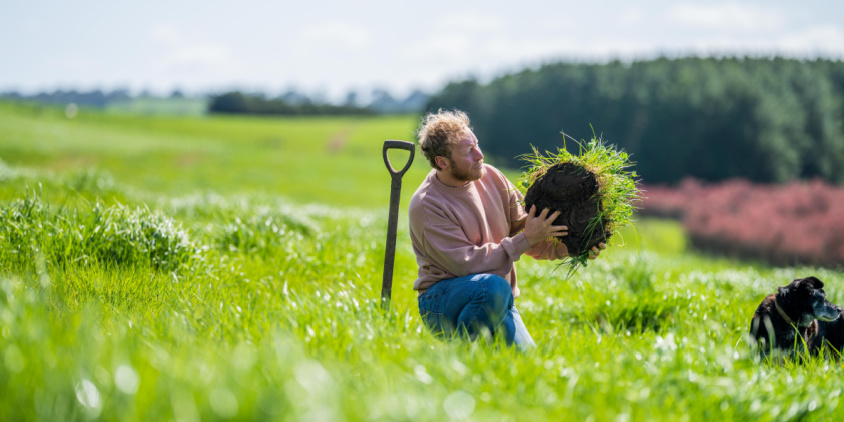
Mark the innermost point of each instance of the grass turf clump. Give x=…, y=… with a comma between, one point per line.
x=262, y=232
x=114, y=235
x=594, y=192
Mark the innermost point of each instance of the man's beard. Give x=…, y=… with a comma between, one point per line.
x=464, y=175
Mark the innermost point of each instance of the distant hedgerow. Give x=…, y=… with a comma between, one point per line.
x=779, y=224
x=117, y=235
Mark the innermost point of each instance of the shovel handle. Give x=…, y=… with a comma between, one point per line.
x=392, y=144
x=392, y=223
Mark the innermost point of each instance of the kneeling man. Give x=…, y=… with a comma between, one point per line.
x=468, y=229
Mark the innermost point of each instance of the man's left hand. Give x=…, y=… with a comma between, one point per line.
x=595, y=251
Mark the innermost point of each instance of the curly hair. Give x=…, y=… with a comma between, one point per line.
x=439, y=131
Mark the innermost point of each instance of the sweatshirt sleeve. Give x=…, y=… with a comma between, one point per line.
x=446, y=244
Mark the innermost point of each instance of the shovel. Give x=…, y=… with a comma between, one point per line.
x=392, y=224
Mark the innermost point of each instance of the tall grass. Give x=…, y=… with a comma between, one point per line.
x=293, y=330
x=115, y=235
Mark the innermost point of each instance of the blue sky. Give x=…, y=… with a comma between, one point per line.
x=330, y=47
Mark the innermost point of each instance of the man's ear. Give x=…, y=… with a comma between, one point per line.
x=442, y=163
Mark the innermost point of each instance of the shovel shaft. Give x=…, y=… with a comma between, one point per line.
x=390, y=252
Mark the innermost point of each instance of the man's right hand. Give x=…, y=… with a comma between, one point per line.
x=539, y=228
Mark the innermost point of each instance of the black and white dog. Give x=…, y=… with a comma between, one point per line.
x=788, y=320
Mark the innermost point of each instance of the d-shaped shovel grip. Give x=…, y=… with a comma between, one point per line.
x=392, y=222
x=390, y=144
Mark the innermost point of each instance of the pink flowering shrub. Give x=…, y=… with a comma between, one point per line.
x=782, y=224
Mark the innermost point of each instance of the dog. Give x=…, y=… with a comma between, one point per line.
x=829, y=337
x=787, y=321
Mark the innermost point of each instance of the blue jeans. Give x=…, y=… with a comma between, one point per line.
x=471, y=305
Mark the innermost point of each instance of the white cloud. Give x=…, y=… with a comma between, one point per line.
x=515, y=51
x=72, y=64
x=199, y=54
x=631, y=17
x=441, y=47
x=727, y=16
x=817, y=39
x=166, y=34
x=336, y=33
x=457, y=39
x=190, y=52
x=462, y=22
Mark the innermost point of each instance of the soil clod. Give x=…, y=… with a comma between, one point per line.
x=572, y=190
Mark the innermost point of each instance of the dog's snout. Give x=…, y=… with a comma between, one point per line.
x=828, y=312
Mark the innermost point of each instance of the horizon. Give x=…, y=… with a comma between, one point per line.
x=364, y=98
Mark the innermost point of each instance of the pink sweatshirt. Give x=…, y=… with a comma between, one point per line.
x=472, y=229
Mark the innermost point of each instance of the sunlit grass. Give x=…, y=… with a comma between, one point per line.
x=309, y=160
x=273, y=315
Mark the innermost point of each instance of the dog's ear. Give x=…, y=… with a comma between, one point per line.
x=814, y=282
x=802, y=283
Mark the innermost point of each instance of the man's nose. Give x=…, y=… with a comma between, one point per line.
x=478, y=154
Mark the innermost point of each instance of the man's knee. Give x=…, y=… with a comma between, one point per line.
x=498, y=289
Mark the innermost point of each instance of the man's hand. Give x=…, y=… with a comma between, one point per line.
x=595, y=251
x=539, y=228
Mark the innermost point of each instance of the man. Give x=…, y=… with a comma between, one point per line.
x=468, y=228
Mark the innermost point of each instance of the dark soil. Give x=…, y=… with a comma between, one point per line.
x=570, y=189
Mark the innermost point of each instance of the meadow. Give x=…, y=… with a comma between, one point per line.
x=229, y=268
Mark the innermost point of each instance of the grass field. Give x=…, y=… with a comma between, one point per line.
x=156, y=268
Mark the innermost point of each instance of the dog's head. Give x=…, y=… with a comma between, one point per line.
x=806, y=295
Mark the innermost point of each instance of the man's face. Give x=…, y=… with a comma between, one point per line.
x=466, y=161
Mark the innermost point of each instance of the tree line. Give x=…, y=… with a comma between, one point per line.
x=763, y=119
x=296, y=104
x=94, y=98
x=292, y=102
x=236, y=102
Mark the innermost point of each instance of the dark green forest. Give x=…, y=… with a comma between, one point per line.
x=763, y=119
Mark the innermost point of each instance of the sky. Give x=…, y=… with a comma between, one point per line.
x=328, y=48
